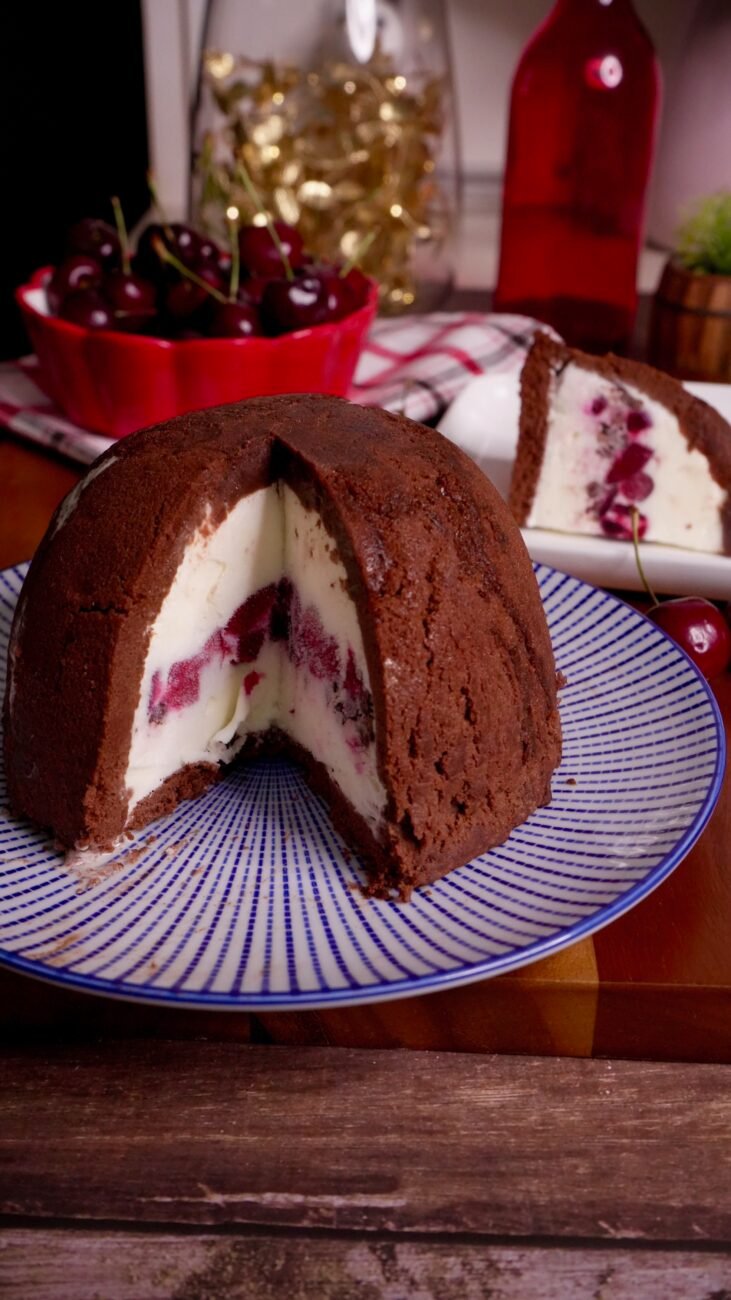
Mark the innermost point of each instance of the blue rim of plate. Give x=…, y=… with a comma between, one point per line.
x=673, y=664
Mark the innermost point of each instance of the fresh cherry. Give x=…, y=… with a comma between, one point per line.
x=208, y=251
x=342, y=294
x=182, y=298
x=79, y=271
x=293, y=304
x=95, y=238
x=338, y=297
x=178, y=239
x=223, y=263
x=185, y=243
x=87, y=308
x=357, y=285
x=132, y=299
x=260, y=254
x=255, y=287
x=699, y=628
x=195, y=286
x=232, y=320
x=184, y=334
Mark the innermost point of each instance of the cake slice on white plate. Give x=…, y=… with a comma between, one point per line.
x=601, y=435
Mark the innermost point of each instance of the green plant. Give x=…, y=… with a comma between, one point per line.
x=704, y=239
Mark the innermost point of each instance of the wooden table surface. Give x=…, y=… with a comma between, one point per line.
x=216, y=1171
x=654, y=984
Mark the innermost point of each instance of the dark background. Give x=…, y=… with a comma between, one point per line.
x=72, y=132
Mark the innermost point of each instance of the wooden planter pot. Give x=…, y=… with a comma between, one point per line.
x=690, y=329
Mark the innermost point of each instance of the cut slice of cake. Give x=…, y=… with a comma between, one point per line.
x=601, y=435
x=296, y=575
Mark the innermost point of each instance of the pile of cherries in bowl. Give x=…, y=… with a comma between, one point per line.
x=180, y=284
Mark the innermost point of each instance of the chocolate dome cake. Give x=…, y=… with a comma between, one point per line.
x=297, y=575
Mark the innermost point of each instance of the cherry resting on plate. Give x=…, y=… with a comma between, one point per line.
x=695, y=624
x=699, y=628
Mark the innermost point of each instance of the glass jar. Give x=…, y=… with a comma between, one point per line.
x=340, y=112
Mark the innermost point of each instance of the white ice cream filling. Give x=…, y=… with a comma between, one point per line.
x=213, y=673
x=587, y=430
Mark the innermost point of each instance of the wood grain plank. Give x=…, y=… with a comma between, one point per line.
x=53, y=1265
x=179, y=1133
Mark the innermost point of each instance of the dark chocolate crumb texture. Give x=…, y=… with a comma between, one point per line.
x=290, y=574
x=600, y=436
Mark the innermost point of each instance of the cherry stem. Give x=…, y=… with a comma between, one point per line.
x=635, y=514
x=121, y=225
x=166, y=256
x=357, y=255
x=256, y=199
x=233, y=235
x=157, y=205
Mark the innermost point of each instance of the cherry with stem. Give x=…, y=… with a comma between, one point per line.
x=236, y=318
x=694, y=623
x=131, y=296
x=635, y=516
x=166, y=256
x=256, y=199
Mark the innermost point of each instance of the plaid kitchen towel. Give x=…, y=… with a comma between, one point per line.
x=413, y=364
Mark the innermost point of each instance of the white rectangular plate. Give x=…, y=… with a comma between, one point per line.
x=483, y=420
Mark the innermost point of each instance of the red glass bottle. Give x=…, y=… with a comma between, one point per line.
x=583, y=112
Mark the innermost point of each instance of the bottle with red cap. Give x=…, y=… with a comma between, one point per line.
x=583, y=114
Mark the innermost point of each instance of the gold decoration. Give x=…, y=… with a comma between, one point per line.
x=220, y=65
x=346, y=152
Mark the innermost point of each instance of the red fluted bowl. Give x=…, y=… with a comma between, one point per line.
x=114, y=383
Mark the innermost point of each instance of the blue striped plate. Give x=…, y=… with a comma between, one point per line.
x=248, y=899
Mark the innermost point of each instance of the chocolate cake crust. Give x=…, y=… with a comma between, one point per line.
x=459, y=657
x=703, y=427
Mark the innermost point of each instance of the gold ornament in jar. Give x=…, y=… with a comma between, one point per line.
x=346, y=151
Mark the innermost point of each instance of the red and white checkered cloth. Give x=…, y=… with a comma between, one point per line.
x=415, y=364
